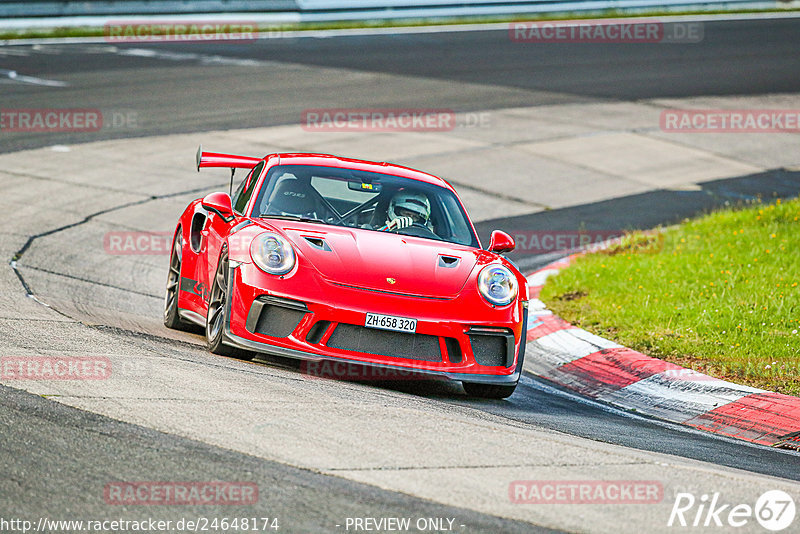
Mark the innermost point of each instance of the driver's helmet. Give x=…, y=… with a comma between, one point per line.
x=409, y=204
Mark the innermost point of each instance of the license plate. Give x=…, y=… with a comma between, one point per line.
x=389, y=322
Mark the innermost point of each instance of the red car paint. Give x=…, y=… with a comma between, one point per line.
x=358, y=271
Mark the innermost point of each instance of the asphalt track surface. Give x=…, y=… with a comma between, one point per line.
x=483, y=70
x=479, y=71
x=79, y=449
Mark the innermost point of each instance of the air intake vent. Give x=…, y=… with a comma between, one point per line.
x=276, y=317
x=386, y=343
x=317, y=332
x=492, y=346
x=453, y=349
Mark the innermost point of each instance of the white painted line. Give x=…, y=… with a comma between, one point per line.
x=40, y=49
x=206, y=59
x=542, y=362
x=14, y=52
x=21, y=78
x=537, y=307
x=559, y=348
x=679, y=400
x=545, y=387
x=539, y=277
x=574, y=343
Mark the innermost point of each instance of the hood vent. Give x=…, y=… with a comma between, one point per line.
x=448, y=262
x=318, y=243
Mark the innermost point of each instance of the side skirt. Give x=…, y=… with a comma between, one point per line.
x=192, y=317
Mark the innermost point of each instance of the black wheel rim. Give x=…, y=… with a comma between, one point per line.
x=216, y=305
x=174, y=277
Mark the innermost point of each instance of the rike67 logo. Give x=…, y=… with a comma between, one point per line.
x=774, y=510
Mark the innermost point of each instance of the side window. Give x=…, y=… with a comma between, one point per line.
x=456, y=223
x=246, y=189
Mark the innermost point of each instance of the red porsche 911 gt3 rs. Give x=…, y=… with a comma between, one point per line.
x=325, y=258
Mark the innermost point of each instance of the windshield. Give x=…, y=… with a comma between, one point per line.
x=367, y=200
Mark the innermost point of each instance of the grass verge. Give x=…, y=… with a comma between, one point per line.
x=718, y=294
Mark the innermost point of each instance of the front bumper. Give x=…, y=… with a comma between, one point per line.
x=310, y=318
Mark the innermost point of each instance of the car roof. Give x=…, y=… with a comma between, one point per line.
x=327, y=160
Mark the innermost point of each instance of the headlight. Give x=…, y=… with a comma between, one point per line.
x=272, y=253
x=497, y=284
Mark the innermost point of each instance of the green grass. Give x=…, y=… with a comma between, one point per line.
x=89, y=31
x=718, y=294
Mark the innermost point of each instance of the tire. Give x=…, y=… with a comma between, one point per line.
x=171, y=317
x=216, y=315
x=488, y=391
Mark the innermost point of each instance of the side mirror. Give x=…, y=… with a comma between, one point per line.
x=501, y=242
x=219, y=203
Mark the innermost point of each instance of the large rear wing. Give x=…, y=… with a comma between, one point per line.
x=211, y=159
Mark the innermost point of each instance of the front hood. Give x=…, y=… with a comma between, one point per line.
x=367, y=259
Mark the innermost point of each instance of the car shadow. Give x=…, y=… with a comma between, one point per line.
x=354, y=373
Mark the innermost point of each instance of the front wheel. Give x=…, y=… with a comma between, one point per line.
x=489, y=391
x=217, y=314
